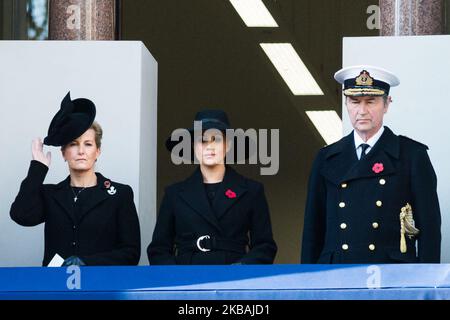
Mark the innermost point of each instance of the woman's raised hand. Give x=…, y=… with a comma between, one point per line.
x=37, y=150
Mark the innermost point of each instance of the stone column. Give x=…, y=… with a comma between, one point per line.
x=82, y=19
x=412, y=17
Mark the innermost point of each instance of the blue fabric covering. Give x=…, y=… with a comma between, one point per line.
x=287, y=282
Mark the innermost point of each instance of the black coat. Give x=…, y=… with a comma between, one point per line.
x=239, y=227
x=352, y=213
x=103, y=231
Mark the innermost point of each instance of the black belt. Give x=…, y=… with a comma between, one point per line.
x=207, y=243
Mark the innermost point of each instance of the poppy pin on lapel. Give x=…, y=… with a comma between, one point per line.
x=230, y=194
x=111, y=189
x=378, y=167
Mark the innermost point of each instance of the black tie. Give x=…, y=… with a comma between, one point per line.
x=364, y=147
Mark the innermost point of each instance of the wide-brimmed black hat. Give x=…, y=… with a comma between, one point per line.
x=71, y=121
x=213, y=119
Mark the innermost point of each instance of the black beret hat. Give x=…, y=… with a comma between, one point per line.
x=210, y=119
x=71, y=121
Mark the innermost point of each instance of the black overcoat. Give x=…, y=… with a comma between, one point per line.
x=103, y=231
x=238, y=224
x=353, y=207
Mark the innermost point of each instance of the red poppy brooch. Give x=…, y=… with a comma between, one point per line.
x=378, y=167
x=230, y=194
x=107, y=184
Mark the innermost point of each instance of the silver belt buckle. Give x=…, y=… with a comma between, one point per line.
x=198, y=243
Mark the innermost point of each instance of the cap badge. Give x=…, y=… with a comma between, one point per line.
x=364, y=79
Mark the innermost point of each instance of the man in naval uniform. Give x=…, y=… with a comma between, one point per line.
x=371, y=195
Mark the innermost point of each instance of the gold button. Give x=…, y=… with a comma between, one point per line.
x=375, y=225
x=382, y=182
x=345, y=247
x=371, y=247
x=343, y=226
x=379, y=203
x=342, y=204
x=344, y=185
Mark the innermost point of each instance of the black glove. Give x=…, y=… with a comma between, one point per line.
x=73, y=261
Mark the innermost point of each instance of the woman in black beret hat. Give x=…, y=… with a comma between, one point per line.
x=89, y=219
x=216, y=216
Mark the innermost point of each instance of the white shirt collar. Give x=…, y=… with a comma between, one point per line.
x=371, y=142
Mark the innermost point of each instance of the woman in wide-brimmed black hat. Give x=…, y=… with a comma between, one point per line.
x=89, y=219
x=216, y=216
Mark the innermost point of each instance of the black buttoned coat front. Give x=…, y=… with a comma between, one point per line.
x=353, y=207
x=103, y=231
x=239, y=217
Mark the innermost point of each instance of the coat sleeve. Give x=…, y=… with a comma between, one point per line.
x=128, y=248
x=28, y=207
x=314, y=225
x=425, y=208
x=262, y=246
x=161, y=249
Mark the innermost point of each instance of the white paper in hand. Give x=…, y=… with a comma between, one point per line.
x=57, y=261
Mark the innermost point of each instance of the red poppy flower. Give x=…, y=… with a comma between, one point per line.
x=107, y=184
x=378, y=167
x=230, y=194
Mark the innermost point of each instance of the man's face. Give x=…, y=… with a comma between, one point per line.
x=366, y=113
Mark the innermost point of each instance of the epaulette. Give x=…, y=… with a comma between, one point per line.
x=414, y=141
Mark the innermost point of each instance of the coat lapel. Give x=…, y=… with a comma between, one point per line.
x=383, y=152
x=63, y=198
x=342, y=164
x=99, y=194
x=230, y=191
x=340, y=159
x=193, y=193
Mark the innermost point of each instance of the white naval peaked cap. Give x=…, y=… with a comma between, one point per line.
x=362, y=80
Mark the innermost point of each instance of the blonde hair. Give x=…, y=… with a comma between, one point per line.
x=98, y=133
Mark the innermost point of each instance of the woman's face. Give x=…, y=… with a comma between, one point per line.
x=82, y=153
x=211, y=148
